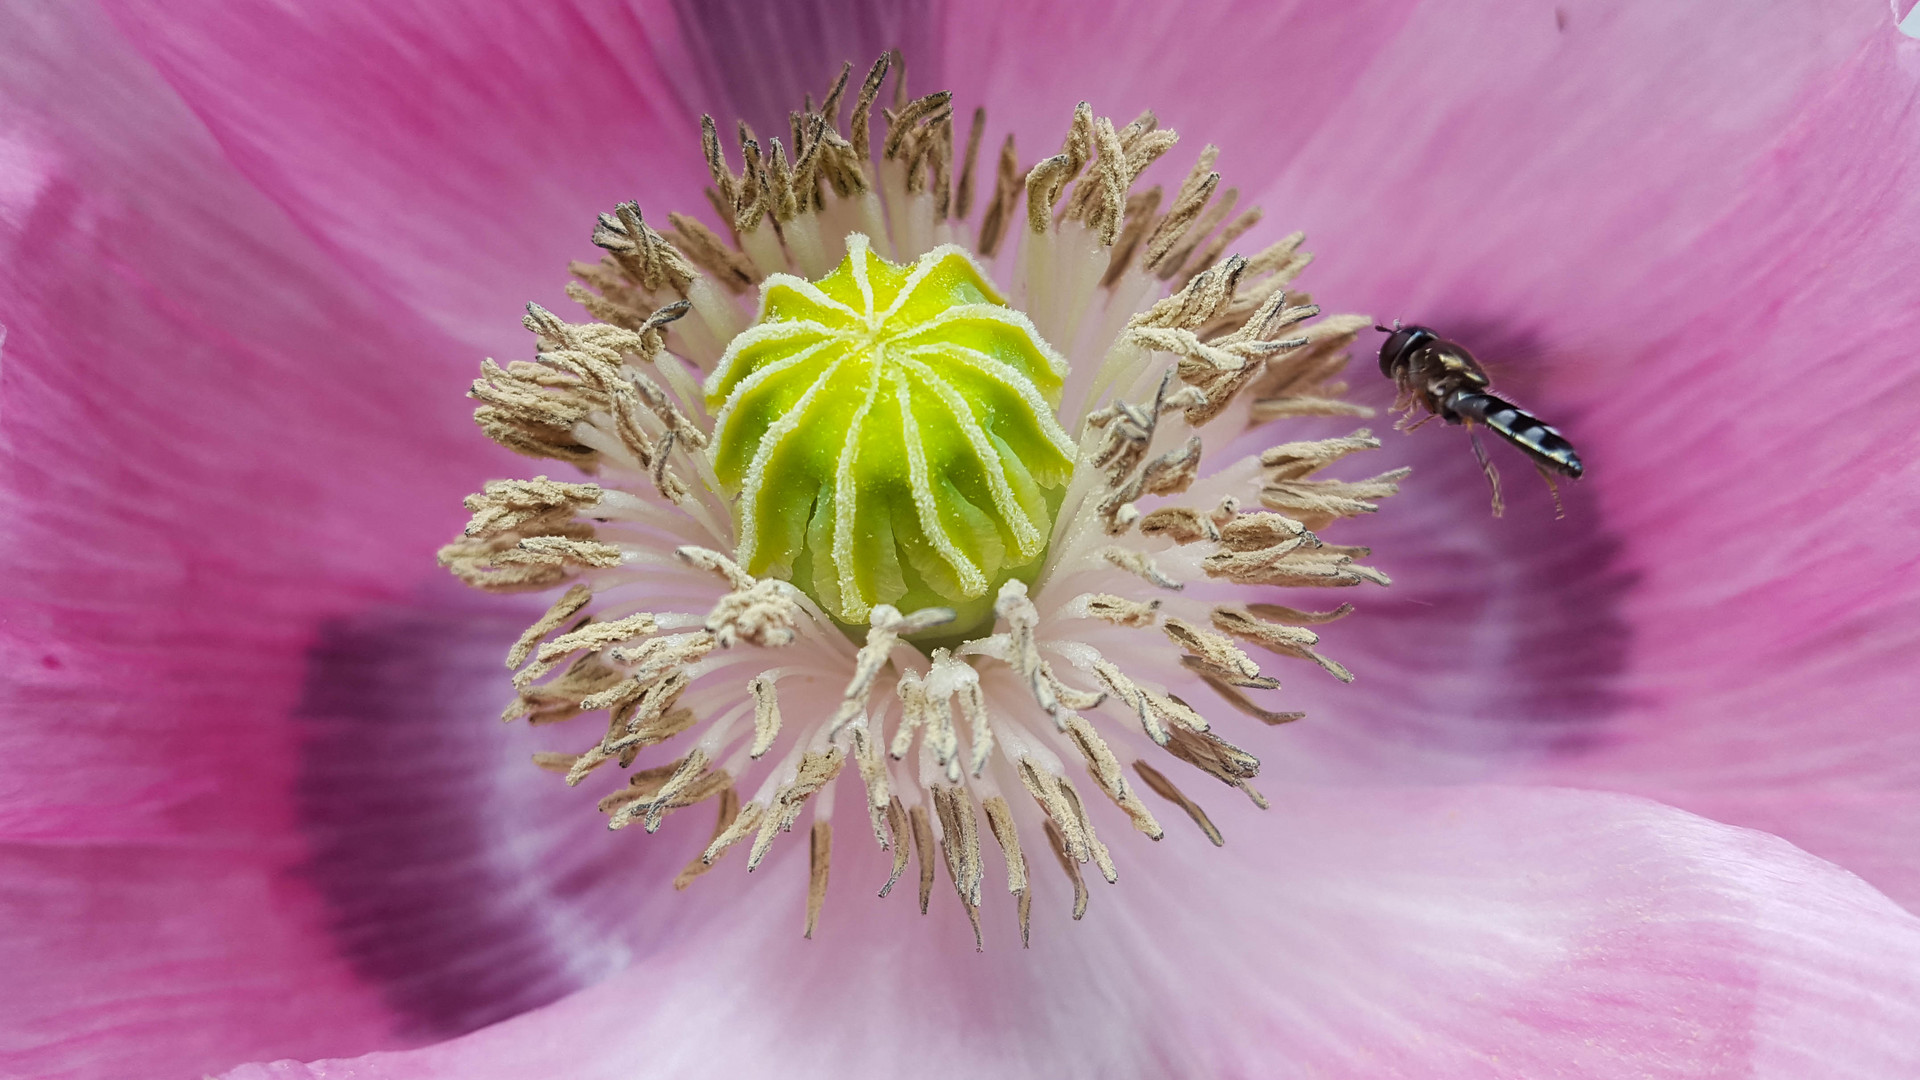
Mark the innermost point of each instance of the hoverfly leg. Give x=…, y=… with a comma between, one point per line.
x=1493, y=474
x=1559, y=510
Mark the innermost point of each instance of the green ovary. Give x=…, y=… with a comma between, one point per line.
x=890, y=434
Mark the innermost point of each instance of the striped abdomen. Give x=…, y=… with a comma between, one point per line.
x=1521, y=428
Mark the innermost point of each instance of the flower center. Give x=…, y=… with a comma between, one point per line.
x=890, y=433
x=1039, y=576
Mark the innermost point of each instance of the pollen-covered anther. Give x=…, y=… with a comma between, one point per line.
x=489, y=552
x=570, y=604
x=1007, y=834
x=1219, y=759
x=1105, y=770
x=1128, y=431
x=1068, y=815
x=590, y=636
x=1168, y=474
x=690, y=782
x=1272, y=549
x=1307, y=385
x=870, y=759
x=880, y=477
x=1141, y=564
x=1157, y=713
x=815, y=770
x=1114, y=609
x=639, y=271
x=759, y=611
x=533, y=507
x=1216, y=656
x=519, y=564
x=1129, y=428
x=1181, y=524
x=586, y=399
x=1295, y=641
x=1158, y=783
x=960, y=845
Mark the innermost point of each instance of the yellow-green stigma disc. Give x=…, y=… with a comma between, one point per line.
x=889, y=433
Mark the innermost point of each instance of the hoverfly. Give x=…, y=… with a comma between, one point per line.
x=1443, y=378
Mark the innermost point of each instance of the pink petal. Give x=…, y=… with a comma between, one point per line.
x=1257, y=79
x=753, y=60
x=453, y=154
x=212, y=448
x=424, y=187
x=1466, y=932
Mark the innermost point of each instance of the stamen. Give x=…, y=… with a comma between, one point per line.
x=592, y=637
x=1139, y=563
x=898, y=828
x=1278, y=613
x=1217, y=758
x=1180, y=524
x=733, y=270
x=1164, y=788
x=886, y=628
x=1285, y=640
x=743, y=823
x=1044, y=184
x=960, y=844
x=1000, y=821
x=1216, y=655
x=923, y=852
x=1022, y=619
x=649, y=261
x=830, y=105
x=1187, y=204
x=820, y=852
x=1105, y=768
x=766, y=714
x=863, y=105
x=1006, y=192
x=1247, y=705
x=689, y=782
x=729, y=811
x=868, y=757
x=1067, y=862
x=963, y=195
x=1203, y=227
x=1216, y=247
x=562, y=698
x=563, y=609
x=1117, y=609
x=1064, y=809
x=814, y=773
x=1141, y=208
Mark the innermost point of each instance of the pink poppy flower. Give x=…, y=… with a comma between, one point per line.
x=254, y=804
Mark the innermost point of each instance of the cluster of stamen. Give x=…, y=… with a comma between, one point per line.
x=664, y=630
